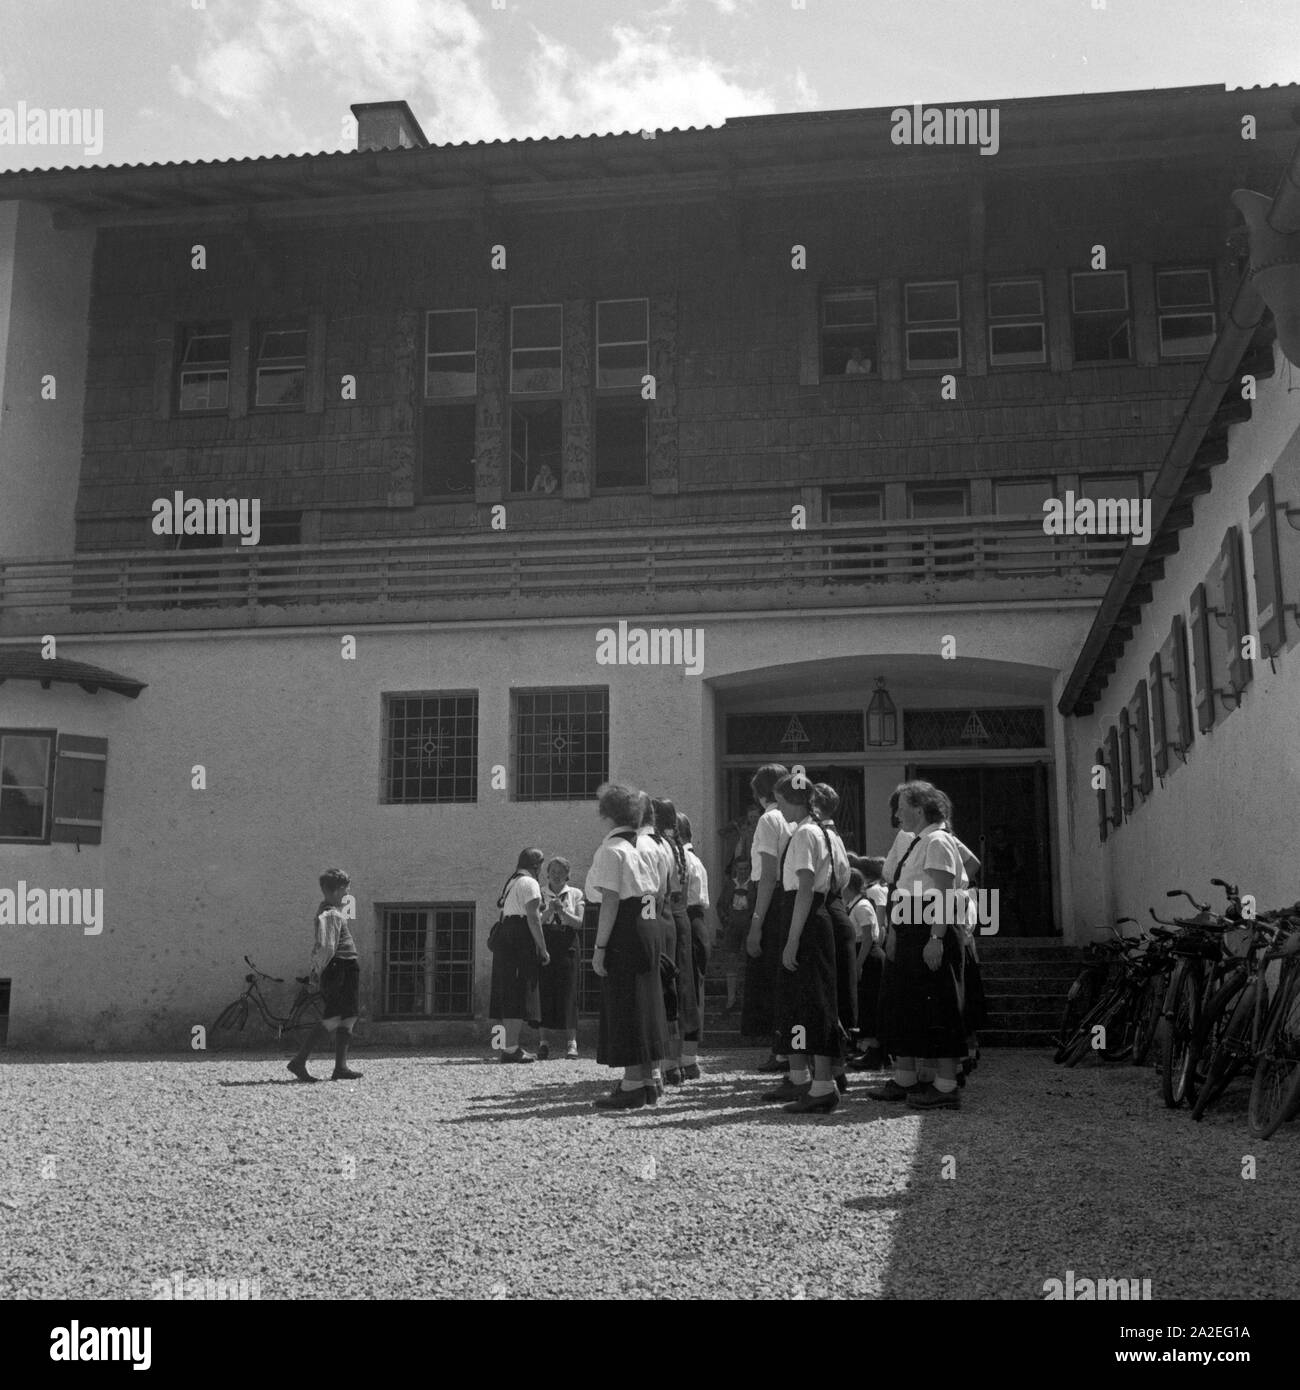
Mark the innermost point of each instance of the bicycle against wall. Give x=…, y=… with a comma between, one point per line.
x=305, y=1011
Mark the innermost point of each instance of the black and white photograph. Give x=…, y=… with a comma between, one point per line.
x=650, y=652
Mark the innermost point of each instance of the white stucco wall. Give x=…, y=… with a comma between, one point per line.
x=1229, y=811
x=291, y=739
x=44, y=302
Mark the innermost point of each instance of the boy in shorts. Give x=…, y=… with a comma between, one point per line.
x=337, y=972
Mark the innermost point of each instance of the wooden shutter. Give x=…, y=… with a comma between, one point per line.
x=1113, y=776
x=1142, y=731
x=1182, y=684
x=1159, y=736
x=1267, y=563
x=314, y=385
x=1204, y=676
x=164, y=368
x=1126, y=759
x=1232, y=580
x=1103, y=811
x=810, y=347
x=78, y=809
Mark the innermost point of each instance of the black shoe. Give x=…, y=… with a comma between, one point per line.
x=622, y=1100
x=299, y=1069
x=814, y=1105
x=543, y=1051
x=871, y=1059
x=518, y=1055
x=651, y=1094
x=891, y=1090
x=929, y=1097
x=788, y=1090
x=346, y=1074
x=772, y=1066
x=841, y=1083
x=961, y=1078
x=672, y=1076
x=691, y=1073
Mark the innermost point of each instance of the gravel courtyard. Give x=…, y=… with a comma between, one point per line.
x=450, y=1175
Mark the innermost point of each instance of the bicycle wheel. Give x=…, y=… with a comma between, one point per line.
x=306, y=1012
x=1275, y=1091
x=1232, y=1050
x=1175, y=1074
x=1117, y=1027
x=1078, y=1005
x=231, y=1017
x=1147, y=1010
x=1081, y=1044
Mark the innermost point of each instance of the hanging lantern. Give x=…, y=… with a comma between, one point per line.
x=1274, y=268
x=882, y=718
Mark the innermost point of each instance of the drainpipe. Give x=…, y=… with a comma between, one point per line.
x=1219, y=372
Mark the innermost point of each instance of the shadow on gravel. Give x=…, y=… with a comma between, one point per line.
x=267, y=1081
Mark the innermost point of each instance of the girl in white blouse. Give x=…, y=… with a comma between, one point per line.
x=765, y=941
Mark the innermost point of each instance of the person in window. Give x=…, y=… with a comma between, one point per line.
x=545, y=481
x=561, y=917
x=625, y=881
x=921, y=1014
x=519, y=956
x=857, y=365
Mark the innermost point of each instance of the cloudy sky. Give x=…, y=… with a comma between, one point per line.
x=216, y=79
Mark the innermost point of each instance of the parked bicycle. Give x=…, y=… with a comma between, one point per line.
x=1201, y=968
x=1115, y=977
x=304, y=1013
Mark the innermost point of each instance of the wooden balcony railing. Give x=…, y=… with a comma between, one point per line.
x=659, y=568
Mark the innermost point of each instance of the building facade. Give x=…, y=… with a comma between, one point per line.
x=784, y=399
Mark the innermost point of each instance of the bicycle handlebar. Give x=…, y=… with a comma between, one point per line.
x=1183, y=893
x=275, y=979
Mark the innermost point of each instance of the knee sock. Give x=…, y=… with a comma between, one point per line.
x=944, y=1085
x=690, y=1053
x=821, y=1088
x=342, y=1037
x=799, y=1069
x=905, y=1078
x=632, y=1079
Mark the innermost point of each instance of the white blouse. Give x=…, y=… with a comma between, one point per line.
x=807, y=851
x=770, y=837
x=622, y=867
x=697, y=880
x=660, y=861
x=570, y=899
x=522, y=891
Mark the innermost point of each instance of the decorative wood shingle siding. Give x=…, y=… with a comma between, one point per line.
x=738, y=411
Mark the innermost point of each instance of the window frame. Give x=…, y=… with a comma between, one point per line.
x=546, y=392
x=1142, y=732
x=911, y=326
x=527, y=407
x=1076, y=313
x=619, y=392
x=261, y=332
x=1114, y=777
x=842, y=294
x=995, y=321
x=384, y=909
x=387, y=774
x=1206, y=309
x=518, y=777
x=51, y=762
x=448, y=397
x=628, y=404
x=192, y=333
x=429, y=410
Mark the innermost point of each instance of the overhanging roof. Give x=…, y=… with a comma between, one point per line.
x=1167, y=126
x=27, y=664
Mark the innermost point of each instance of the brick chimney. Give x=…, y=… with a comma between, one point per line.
x=388, y=125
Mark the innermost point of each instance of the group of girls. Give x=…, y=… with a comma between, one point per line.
x=826, y=957
x=644, y=903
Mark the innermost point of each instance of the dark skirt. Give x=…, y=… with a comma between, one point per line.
x=699, y=962
x=762, y=974
x=688, y=1004
x=559, y=981
x=633, y=1025
x=869, y=996
x=666, y=929
x=516, y=972
x=340, y=988
x=974, y=1008
x=808, y=997
x=920, y=1012
x=846, y=964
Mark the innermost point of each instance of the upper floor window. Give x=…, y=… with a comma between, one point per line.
x=1185, y=304
x=26, y=779
x=1100, y=317
x=451, y=352
x=622, y=342
x=849, y=333
x=281, y=365
x=932, y=503
x=536, y=447
x=1017, y=326
x=205, y=368
x=536, y=355
x=932, y=309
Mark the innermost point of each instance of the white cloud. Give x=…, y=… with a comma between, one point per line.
x=647, y=83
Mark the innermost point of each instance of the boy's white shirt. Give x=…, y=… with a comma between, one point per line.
x=329, y=925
